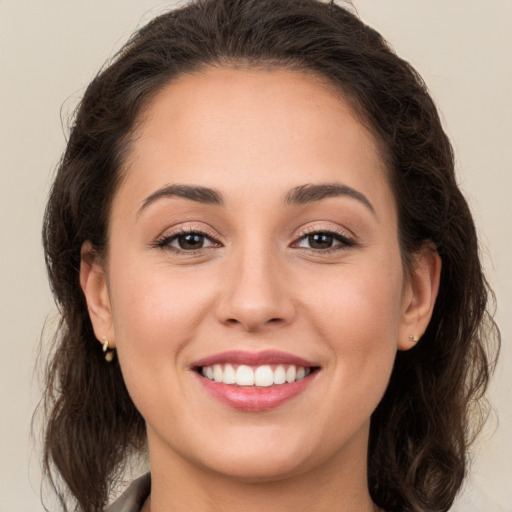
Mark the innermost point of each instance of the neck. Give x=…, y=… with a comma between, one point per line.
x=338, y=484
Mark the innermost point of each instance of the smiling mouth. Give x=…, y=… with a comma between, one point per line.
x=251, y=382
x=261, y=376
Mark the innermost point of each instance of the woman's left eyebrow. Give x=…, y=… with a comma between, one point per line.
x=316, y=192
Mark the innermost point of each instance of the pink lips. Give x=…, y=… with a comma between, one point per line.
x=250, y=398
x=253, y=358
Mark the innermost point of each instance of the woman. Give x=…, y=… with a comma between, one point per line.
x=266, y=273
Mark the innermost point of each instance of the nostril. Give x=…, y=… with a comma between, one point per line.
x=234, y=321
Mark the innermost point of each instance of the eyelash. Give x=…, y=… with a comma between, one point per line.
x=345, y=241
x=165, y=242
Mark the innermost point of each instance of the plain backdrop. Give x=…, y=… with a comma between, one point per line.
x=49, y=51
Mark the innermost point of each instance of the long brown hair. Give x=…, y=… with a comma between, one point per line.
x=421, y=430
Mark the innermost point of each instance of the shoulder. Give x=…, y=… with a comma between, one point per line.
x=133, y=498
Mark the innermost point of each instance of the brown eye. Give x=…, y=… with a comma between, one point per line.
x=187, y=242
x=320, y=241
x=324, y=241
x=190, y=241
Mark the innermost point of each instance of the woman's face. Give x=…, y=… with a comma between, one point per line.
x=254, y=236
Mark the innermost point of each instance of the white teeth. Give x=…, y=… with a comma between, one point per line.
x=260, y=376
x=229, y=376
x=264, y=376
x=244, y=376
x=291, y=373
x=279, y=375
x=217, y=373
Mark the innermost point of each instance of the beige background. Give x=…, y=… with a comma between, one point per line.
x=50, y=49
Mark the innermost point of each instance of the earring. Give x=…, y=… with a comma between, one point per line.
x=109, y=354
x=413, y=338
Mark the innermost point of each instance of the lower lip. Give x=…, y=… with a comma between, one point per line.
x=253, y=399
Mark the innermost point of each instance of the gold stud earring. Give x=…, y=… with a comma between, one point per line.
x=413, y=338
x=109, y=354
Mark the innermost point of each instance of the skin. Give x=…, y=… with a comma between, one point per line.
x=254, y=135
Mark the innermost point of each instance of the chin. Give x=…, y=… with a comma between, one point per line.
x=259, y=468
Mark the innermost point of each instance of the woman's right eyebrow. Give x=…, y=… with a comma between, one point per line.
x=192, y=192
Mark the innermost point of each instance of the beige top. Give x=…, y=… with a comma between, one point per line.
x=134, y=497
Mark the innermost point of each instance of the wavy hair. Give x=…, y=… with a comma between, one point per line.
x=421, y=430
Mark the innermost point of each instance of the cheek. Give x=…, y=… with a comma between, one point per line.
x=155, y=314
x=357, y=299
x=357, y=313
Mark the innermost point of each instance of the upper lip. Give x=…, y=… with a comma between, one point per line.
x=253, y=358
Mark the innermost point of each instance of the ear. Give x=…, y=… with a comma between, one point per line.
x=94, y=285
x=419, y=296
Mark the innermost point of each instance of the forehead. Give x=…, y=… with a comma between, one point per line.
x=252, y=129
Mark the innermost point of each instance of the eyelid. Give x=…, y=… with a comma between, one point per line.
x=345, y=238
x=163, y=241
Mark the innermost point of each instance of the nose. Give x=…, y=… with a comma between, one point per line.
x=255, y=295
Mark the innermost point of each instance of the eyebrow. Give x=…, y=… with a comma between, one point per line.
x=308, y=193
x=192, y=192
x=302, y=194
